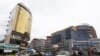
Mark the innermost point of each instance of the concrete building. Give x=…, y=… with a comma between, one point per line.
x=56, y=37
x=77, y=33
x=8, y=31
x=21, y=23
x=80, y=32
x=48, y=45
x=93, y=43
x=17, y=30
x=38, y=44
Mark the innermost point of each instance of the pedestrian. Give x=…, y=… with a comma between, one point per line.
x=74, y=54
x=80, y=53
x=90, y=52
x=94, y=50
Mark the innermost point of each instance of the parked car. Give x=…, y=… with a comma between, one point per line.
x=28, y=52
x=48, y=54
x=63, y=53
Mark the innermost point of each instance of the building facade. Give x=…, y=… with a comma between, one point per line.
x=48, y=45
x=80, y=32
x=77, y=33
x=56, y=38
x=21, y=23
x=38, y=44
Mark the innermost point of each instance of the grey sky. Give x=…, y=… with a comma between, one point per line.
x=53, y=15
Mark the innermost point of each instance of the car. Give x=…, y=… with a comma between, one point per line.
x=27, y=52
x=63, y=53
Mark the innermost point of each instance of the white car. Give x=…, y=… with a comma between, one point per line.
x=60, y=55
x=63, y=53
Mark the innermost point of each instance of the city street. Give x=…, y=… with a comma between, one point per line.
x=49, y=28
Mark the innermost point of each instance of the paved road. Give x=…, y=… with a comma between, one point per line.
x=96, y=54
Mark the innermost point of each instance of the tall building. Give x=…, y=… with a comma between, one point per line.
x=85, y=32
x=77, y=33
x=80, y=32
x=8, y=31
x=56, y=37
x=21, y=23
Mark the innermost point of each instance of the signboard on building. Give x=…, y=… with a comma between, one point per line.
x=7, y=50
x=7, y=47
x=55, y=46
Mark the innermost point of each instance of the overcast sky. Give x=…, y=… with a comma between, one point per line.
x=53, y=15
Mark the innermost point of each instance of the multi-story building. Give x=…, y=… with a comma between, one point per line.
x=77, y=33
x=48, y=45
x=38, y=44
x=7, y=27
x=80, y=32
x=21, y=23
x=56, y=38
x=94, y=43
x=17, y=30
